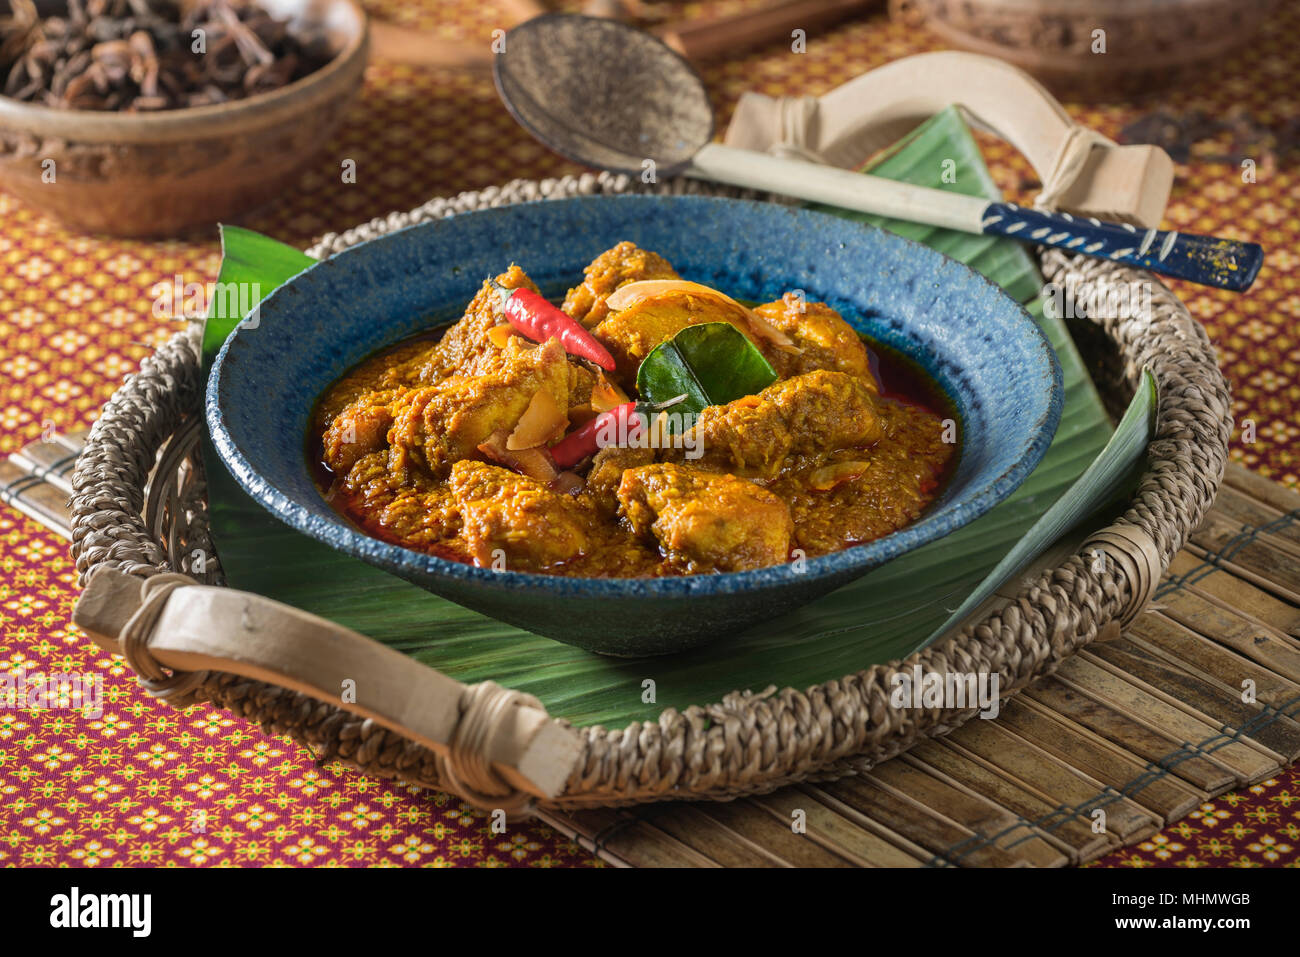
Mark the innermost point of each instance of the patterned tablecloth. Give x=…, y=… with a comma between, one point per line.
x=147, y=785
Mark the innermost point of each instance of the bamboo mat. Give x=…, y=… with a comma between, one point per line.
x=1199, y=697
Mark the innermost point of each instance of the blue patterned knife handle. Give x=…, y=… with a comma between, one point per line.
x=1223, y=263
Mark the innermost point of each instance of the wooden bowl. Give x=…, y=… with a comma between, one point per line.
x=157, y=174
x=1148, y=44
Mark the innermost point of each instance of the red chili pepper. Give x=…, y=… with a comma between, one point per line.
x=584, y=441
x=534, y=317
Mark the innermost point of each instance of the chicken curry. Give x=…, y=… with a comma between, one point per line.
x=490, y=445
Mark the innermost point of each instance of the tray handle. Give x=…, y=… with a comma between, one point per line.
x=497, y=748
x=1082, y=171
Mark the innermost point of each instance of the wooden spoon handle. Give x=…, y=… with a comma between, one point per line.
x=1208, y=260
x=397, y=44
x=726, y=36
x=837, y=187
x=394, y=44
x=517, y=11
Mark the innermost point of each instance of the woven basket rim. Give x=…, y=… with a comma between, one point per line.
x=749, y=742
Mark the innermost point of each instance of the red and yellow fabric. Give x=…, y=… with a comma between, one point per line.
x=147, y=785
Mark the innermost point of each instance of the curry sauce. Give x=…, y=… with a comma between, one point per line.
x=434, y=444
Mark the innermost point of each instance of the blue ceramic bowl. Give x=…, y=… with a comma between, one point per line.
x=978, y=343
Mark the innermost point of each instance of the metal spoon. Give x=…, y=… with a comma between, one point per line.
x=610, y=96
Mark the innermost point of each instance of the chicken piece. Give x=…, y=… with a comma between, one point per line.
x=632, y=333
x=358, y=430
x=390, y=370
x=436, y=426
x=606, y=473
x=808, y=415
x=510, y=518
x=419, y=513
x=851, y=498
x=502, y=363
x=824, y=339
x=615, y=267
x=826, y=410
x=705, y=521
x=581, y=383
x=466, y=348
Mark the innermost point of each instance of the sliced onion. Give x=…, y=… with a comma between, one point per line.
x=830, y=476
x=772, y=334
x=535, y=463
x=542, y=421
x=634, y=292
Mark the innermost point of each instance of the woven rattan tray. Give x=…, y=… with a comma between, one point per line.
x=139, y=506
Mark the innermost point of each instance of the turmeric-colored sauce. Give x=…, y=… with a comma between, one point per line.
x=441, y=443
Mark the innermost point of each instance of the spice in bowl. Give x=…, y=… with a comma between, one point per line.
x=150, y=55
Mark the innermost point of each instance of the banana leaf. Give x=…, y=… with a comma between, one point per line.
x=883, y=616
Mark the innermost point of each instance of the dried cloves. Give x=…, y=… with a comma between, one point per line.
x=151, y=54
